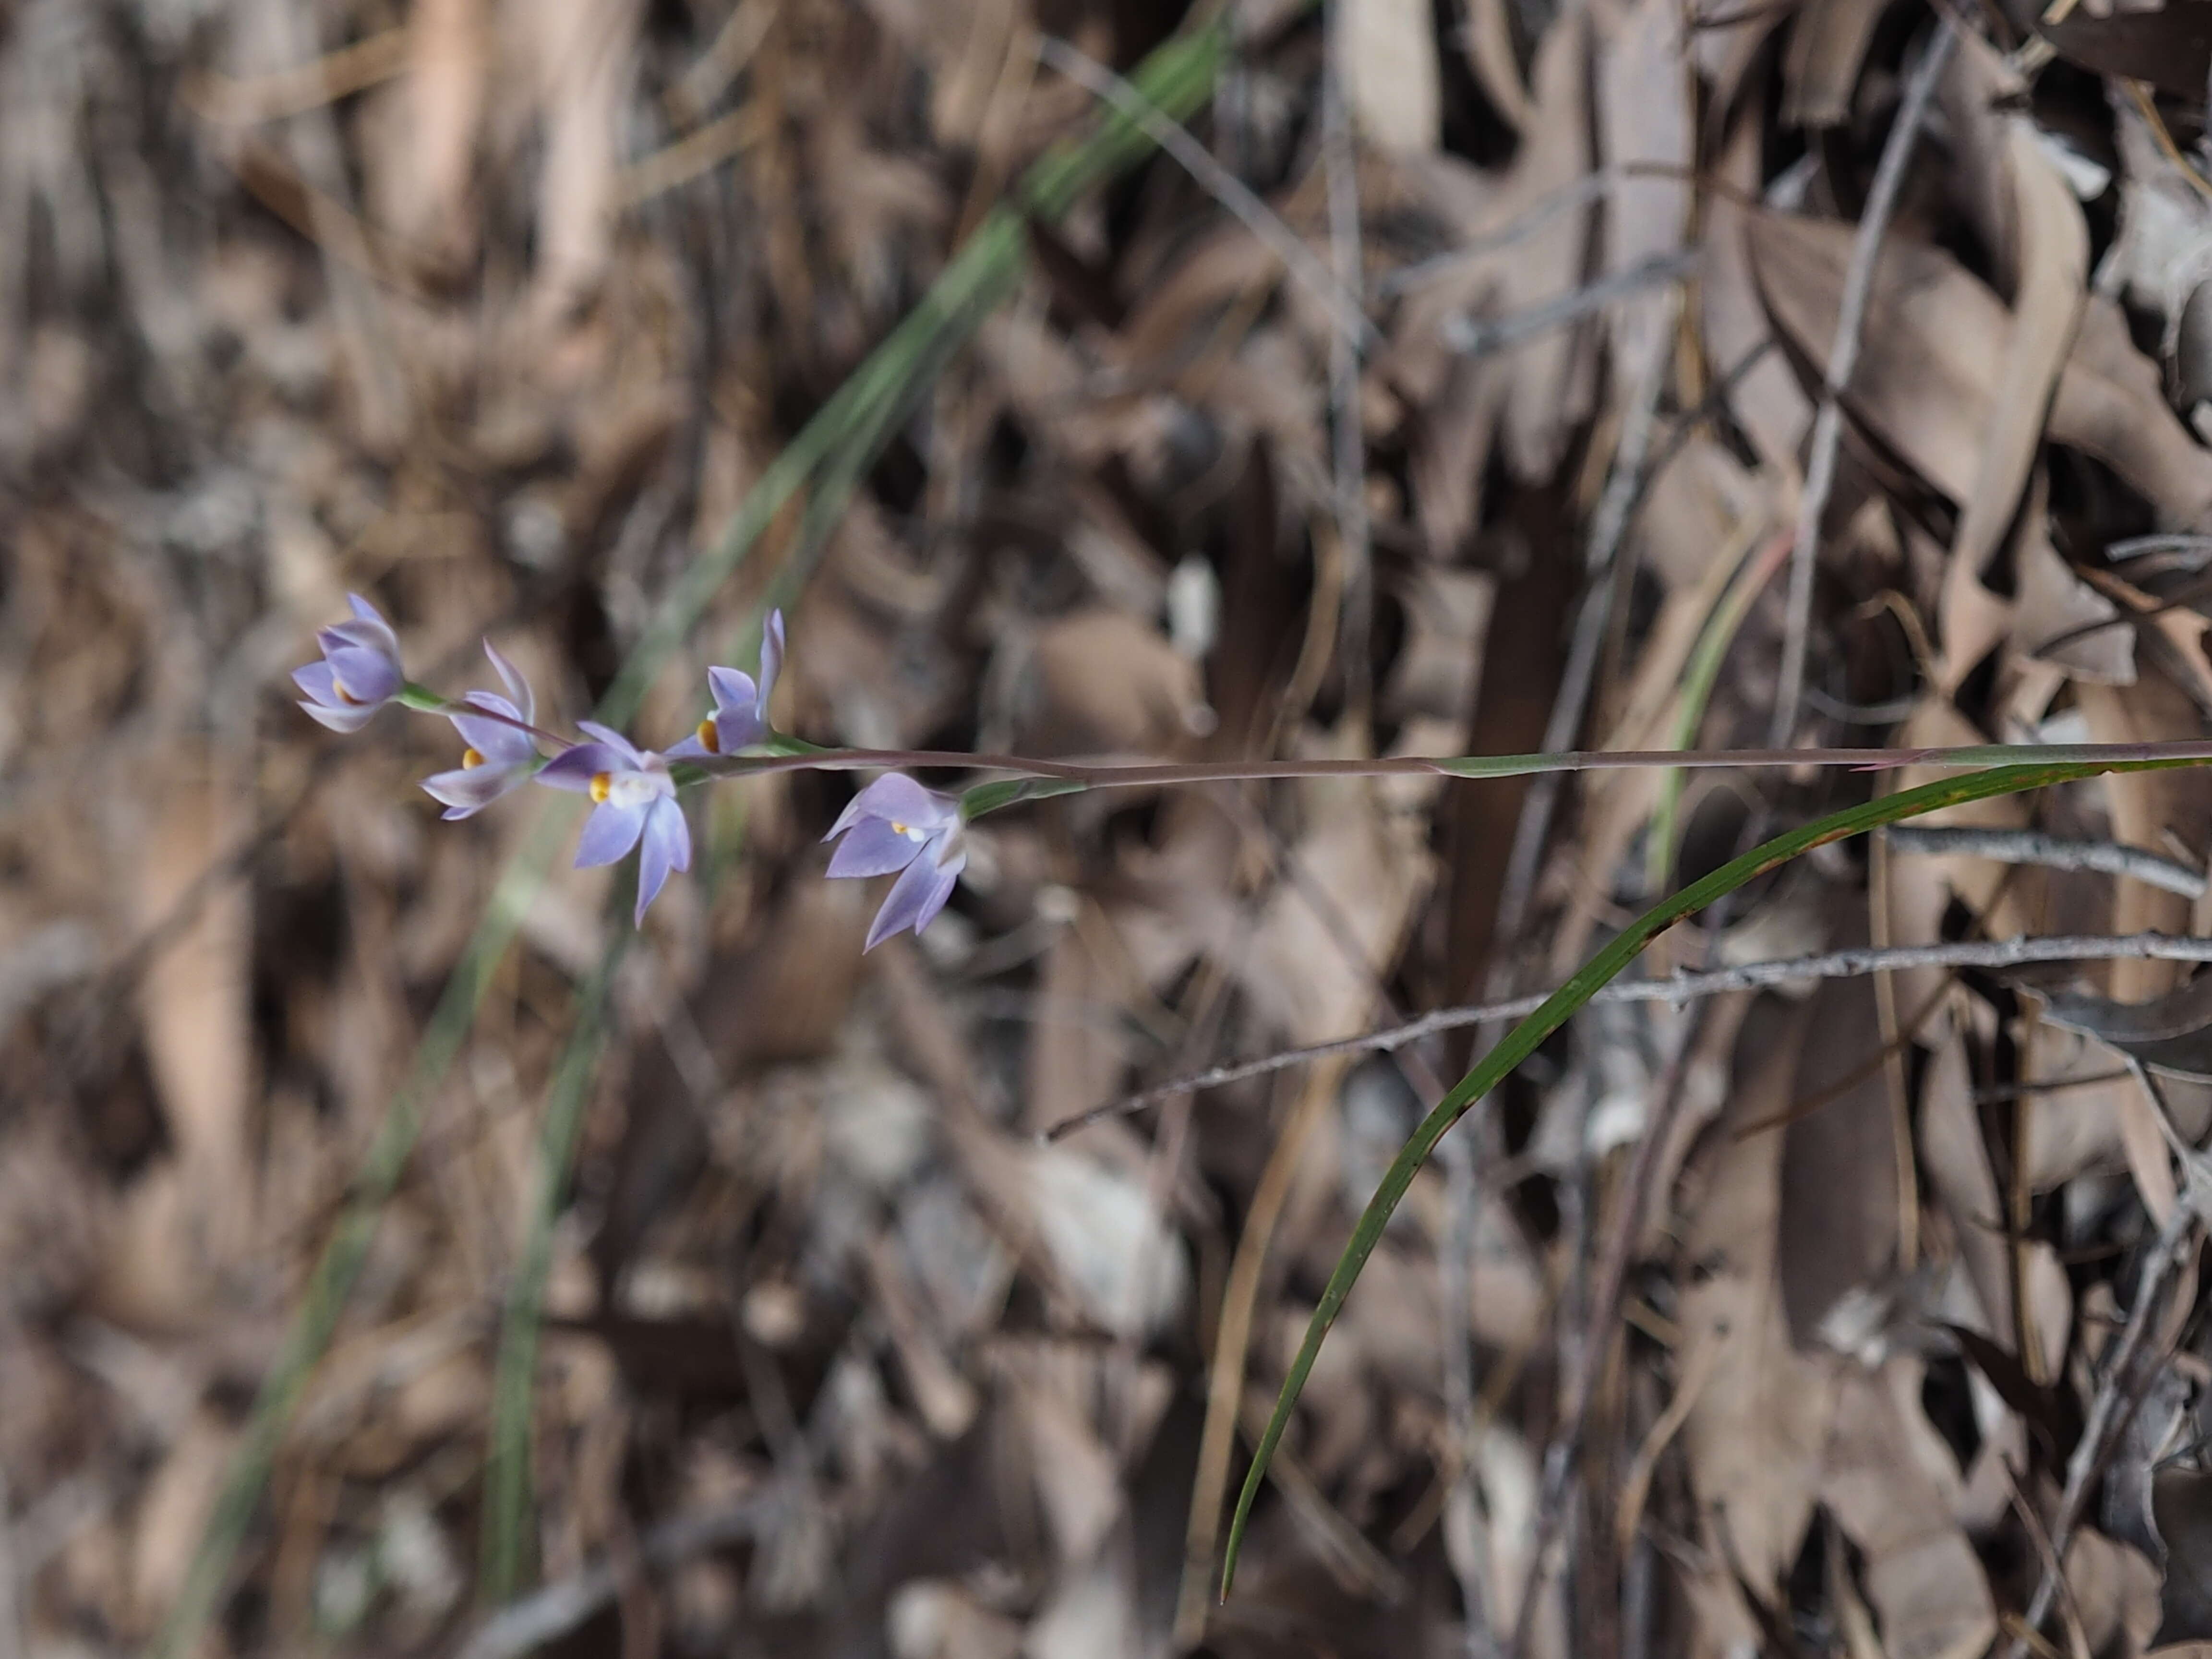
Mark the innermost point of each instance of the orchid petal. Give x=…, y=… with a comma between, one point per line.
x=610, y=831
x=668, y=846
x=633, y=756
x=467, y=790
x=338, y=716
x=895, y=797
x=915, y=898
x=496, y=740
x=526, y=700
x=733, y=688
x=364, y=611
x=365, y=676
x=361, y=636
x=771, y=663
x=574, y=769
x=872, y=848
x=317, y=682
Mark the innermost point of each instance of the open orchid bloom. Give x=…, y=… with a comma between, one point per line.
x=500, y=757
x=635, y=801
x=896, y=824
x=359, y=673
x=740, y=715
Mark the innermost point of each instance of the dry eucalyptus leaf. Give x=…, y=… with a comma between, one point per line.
x=2181, y=1508
x=1757, y=1434
x=2170, y=1034
x=1892, y=1484
x=2049, y=250
x=2053, y=603
x=2116, y=1592
x=2170, y=46
x=1392, y=79
x=1928, y=372
x=1837, y=1233
x=1104, y=682
x=1821, y=64
x=1645, y=97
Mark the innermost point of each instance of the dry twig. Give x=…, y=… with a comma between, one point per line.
x=553, y=1611
x=1680, y=987
x=1224, y=187
x=2105, y=857
x=1851, y=326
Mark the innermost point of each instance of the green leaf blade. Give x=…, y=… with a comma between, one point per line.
x=1524, y=1039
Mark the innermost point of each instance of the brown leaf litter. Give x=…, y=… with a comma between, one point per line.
x=493, y=311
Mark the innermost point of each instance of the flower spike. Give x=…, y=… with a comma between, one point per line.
x=360, y=672
x=896, y=824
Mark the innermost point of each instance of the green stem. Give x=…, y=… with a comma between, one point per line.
x=1698, y=679
x=340, y=1264
x=507, y=1472
x=1069, y=776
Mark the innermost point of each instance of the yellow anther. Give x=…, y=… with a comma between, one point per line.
x=344, y=696
x=709, y=736
x=470, y=759
x=601, y=782
x=897, y=829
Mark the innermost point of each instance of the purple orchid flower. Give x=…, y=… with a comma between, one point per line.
x=636, y=800
x=359, y=673
x=740, y=715
x=896, y=824
x=500, y=757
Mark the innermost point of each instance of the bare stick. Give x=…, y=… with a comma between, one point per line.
x=1477, y=337
x=2077, y=1640
x=1348, y=444
x=1587, y=1356
x=1625, y=482
x=2117, y=1395
x=1224, y=187
x=1608, y=524
x=1539, y=213
x=2105, y=857
x=12, y=1578
x=2188, y=551
x=1681, y=987
x=559, y=1608
x=1145, y=775
x=1850, y=324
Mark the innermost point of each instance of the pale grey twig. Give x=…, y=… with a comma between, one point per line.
x=12, y=1645
x=1516, y=888
x=1681, y=987
x=1545, y=209
x=2105, y=857
x=553, y=1611
x=1585, y=1357
x=1348, y=441
x=2188, y=551
x=1616, y=507
x=1476, y=336
x=1224, y=187
x=2116, y=1397
x=1843, y=358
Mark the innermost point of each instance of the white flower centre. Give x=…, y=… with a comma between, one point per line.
x=910, y=831
x=631, y=789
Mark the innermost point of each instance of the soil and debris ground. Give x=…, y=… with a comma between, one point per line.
x=493, y=311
